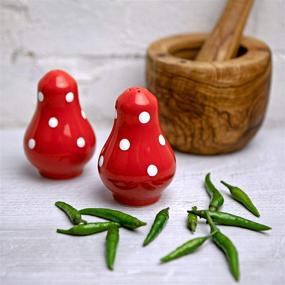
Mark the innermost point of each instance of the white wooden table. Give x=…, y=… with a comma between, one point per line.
x=32, y=252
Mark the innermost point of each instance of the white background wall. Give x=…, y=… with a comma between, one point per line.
x=102, y=43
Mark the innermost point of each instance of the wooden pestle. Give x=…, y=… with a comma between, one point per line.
x=224, y=41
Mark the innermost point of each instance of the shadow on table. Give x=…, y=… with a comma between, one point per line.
x=103, y=196
x=29, y=172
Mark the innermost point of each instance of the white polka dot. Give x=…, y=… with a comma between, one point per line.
x=161, y=140
x=144, y=117
x=124, y=144
x=83, y=114
x=101, y=161
x=53, y=122
x=40, y=96
x=31, y=143
x=152, y=170
x=80, y=142
x=69, y=97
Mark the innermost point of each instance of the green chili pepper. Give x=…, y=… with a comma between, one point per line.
x=192, y=221
x=186, y=248
x=243, y=198
x=227, y=219
x=112, y=240
x=217, y=200
x=125, y=220
x=157, y=226
x=226, y=245
x=73, y=214
x=87, y=229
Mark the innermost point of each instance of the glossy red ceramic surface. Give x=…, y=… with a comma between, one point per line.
x=59, y=140
x=136, y=162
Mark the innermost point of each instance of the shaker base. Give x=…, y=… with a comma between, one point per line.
x=60, y=176
x=136, y=203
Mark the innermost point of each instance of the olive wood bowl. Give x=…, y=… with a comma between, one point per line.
x=209, y=107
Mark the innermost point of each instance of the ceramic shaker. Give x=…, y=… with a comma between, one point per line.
x=136, y=162
x=59, y=140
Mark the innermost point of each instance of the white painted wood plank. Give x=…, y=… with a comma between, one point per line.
x=32, y=253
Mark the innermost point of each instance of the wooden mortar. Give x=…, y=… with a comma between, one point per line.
x=213, y=89
x=209, y=107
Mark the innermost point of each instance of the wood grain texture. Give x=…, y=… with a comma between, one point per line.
x=224, y=41
x=209, y=107
x=32, y=253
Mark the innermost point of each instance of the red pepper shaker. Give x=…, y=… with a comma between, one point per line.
x=59, y=140
x=136, y=162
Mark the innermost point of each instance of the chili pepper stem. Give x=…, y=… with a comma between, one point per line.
x=230, y=187
x=212, y=233
x=213, y=227
x=61, y=231
x=192, y=220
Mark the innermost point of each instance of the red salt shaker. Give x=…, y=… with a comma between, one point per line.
x=59, y=140
x=136, y=162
